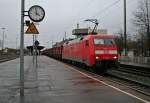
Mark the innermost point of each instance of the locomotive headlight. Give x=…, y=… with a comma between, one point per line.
x=115, y=57
x=97, y=57
x=99, y=51
x=113, y=52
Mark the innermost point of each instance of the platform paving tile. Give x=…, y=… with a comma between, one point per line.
x=56, y=83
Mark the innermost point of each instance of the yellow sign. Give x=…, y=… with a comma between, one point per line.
x=32, y=29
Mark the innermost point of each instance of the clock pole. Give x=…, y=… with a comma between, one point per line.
x=22, y=49
x=22, y=40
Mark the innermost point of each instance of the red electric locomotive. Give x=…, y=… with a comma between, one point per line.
x=98, y=51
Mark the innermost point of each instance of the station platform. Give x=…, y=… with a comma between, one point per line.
x=57, y=82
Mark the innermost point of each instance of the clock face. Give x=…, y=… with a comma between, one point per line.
x=36, y=13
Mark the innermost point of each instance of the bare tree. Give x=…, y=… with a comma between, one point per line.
x=142, y=22
x=120, y=41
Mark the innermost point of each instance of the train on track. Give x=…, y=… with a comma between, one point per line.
x=93, y=50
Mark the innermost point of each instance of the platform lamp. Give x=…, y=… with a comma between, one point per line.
x=3, y=38
x=27, y=23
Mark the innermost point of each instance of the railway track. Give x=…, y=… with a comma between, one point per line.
x=4, y=58
x=137, y=79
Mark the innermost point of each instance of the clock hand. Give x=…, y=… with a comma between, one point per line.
x=36, y=12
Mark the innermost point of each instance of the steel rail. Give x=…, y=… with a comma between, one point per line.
x=7, y=58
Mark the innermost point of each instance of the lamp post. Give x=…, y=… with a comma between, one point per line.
x=3, y=38
x=125, y=29
x=22, y=49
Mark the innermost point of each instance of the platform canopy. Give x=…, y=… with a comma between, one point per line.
x=38, y=47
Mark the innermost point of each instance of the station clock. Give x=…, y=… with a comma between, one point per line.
x=36, y=13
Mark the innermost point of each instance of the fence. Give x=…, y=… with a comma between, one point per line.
x=139, y=60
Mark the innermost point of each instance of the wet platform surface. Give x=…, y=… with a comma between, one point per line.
x=56, y=83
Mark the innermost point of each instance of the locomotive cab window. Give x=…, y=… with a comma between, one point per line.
x=99, y=41
x=106, y=42
x=109, y=42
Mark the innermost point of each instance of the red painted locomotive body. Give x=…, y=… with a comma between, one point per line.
x=92, y=50
x=89, y=50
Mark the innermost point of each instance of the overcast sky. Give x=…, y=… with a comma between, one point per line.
x=62, y=16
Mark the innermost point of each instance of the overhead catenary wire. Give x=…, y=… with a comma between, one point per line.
x=131, y=1
x=99, y=13
x=128, y=2
x=110, y=6
x=121, y=23
x=106, y=8
x=102, y=11
x=90, y=2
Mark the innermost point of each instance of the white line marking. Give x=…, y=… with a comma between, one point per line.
x=145, y=101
